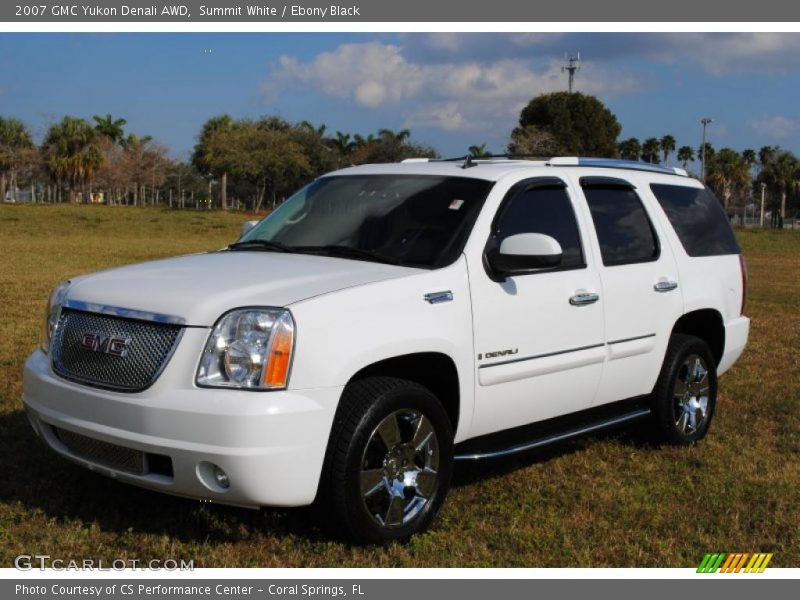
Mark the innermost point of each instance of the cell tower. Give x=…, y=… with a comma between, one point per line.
x=573, y=65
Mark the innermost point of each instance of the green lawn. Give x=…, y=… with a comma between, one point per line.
x=611, y=500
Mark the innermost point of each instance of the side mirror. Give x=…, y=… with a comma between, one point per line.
x=525, y=253
x=247, y=227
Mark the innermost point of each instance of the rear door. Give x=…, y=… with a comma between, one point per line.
x=641, y=286
x=539, y=355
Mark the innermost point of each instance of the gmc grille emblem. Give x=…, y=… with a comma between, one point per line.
x=105, y=344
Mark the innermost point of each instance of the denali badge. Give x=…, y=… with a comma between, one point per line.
x=107, y=344
x=498, y=353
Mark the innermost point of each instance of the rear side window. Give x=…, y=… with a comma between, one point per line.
x=698, y=219
x=546, y=210
x=624, y=231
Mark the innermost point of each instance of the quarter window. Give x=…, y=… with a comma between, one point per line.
x=546, y=210
x=698, y=219
x=624, y=231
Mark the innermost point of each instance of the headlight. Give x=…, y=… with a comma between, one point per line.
x=53, y=311
x=249, y=348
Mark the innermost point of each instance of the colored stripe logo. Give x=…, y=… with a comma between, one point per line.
x=738, y=562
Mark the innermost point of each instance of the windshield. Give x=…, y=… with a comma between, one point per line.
x=414, y=220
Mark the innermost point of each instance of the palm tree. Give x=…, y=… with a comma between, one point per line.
x=15, y=145
x=396, y=136
x=478, y=151
x=783, y=171
x=728, y=172
x=765, y=156
x=361, y=141
x=320, y=131
x=630, y=149
x=110, y=127
x=651, y=148
x=343, y=143
x=667, y=146
x=685, y=154
x=204, y=160
x=72, y=154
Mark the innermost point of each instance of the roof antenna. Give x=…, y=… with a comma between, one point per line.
x=469, y=162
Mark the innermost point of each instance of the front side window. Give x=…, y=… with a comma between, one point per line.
x=547, y=210
x=413, y=220
x=624, y=231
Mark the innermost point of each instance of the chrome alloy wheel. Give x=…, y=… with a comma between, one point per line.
x=399, y=468
x=690, y=395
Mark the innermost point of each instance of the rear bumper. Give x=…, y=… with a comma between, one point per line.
x=271, y=445
x=736, y=333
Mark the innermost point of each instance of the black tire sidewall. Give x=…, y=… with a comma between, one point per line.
x=679, y=348
x=405, y=397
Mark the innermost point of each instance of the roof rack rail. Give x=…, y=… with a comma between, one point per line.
x=614, y=163
x=470, y=160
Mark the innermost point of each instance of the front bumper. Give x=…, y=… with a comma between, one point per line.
x=270, y=444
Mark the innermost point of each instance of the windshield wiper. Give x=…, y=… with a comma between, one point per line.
x=347, y=252
x=260, y=245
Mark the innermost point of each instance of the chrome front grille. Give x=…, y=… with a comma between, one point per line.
x=112, y=352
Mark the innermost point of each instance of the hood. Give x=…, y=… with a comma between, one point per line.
x=200, y=287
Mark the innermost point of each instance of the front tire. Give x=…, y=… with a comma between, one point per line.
x=685, y=395
x=389, y=460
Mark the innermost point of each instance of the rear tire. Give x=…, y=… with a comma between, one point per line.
x=389, y=460
x=685, y=394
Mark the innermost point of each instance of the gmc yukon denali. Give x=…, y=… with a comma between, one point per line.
x=389, y=320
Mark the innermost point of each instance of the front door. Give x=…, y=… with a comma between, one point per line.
x=539, y=337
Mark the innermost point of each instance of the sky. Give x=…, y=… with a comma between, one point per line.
x=451, y=90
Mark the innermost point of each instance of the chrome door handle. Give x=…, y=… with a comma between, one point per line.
x=584, y=298
x=665, y=285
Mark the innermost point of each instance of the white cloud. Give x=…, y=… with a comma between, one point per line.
x=449, y=94
x=777, y=127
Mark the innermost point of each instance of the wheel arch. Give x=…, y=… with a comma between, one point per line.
x=434, y=370
x=706, y=324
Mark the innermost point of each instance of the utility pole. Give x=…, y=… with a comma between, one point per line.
x=705, y=122
x=763, y=197
x=573, y=65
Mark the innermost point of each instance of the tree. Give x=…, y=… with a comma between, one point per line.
x=394, y=136
x=264, y=152
x=478, y=151
x=110, y=127
x=630, y=149
x=727, y=172
x=16, y=149
x=579, y=123
x=343, y=143
x=685, y=154
x=750, y=157
x=667, y=144
x=782, y=171
x=72, y=154
x=144, y=162
x=389, y=148
x=531, y=140
x=206, y=161
x=651, y=149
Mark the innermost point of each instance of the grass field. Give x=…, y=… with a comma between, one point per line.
x=611, y=500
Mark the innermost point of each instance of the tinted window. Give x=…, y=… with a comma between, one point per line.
x=546, y=210
x=415, y=220
x=698, y=219
x=623, y=229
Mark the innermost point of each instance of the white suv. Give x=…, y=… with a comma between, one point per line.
x=388, y=320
